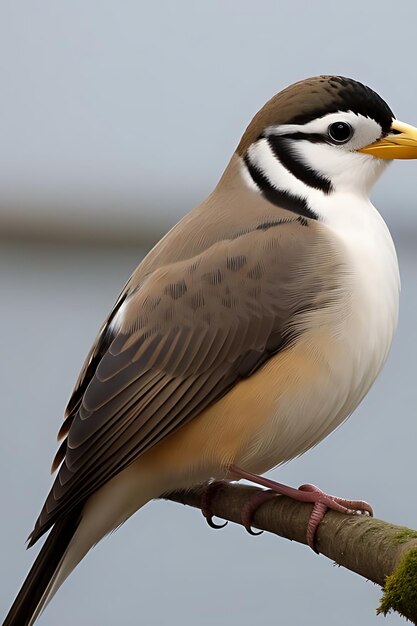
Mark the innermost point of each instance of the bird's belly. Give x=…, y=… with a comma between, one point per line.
x=313, y=388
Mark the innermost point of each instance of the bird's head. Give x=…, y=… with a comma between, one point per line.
x=321, y=135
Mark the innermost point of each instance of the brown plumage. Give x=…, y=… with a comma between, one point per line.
x=217, y=298
x=218, y=341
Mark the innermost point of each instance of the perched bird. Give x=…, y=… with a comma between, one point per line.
x=248, y=333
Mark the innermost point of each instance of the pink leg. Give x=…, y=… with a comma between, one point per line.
x=251, y=505
x=306, y=493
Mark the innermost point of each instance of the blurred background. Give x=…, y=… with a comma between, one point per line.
x=115, y=119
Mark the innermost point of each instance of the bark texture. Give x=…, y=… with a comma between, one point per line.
x=377, y=550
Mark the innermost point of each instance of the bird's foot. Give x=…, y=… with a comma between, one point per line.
x=322, y=502
x=305, y=493
x=251, y=505
x=207, y=498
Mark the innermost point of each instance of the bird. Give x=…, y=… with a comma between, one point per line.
x=251, y=330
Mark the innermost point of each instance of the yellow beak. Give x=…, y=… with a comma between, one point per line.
x=401, y=144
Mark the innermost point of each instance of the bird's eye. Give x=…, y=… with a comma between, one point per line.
x=340, y=132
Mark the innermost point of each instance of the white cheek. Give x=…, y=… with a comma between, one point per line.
x=348, y=171
x=366, y=131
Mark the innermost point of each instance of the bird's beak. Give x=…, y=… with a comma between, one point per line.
x=400, y=143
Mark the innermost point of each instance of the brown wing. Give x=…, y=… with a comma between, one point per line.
x=180, y=340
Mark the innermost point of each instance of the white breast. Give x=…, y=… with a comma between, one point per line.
x=349, y=346
x=372, y=285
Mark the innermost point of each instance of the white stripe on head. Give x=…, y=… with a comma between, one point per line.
x=262, y=157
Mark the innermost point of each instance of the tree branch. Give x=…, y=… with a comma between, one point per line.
x=379, y=551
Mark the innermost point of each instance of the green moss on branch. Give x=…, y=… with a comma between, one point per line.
x=400, y=589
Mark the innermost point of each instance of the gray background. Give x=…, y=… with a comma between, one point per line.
x=115, y=118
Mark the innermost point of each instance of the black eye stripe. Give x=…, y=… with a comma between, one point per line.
x=281, y=148
x=312, y=137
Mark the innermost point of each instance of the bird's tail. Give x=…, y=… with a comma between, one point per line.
x=46, y=574
x=75, y=534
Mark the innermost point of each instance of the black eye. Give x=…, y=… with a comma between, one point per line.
x=340, y=132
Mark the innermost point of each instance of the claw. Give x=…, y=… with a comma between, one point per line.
x=212, y=524
x=207, y=498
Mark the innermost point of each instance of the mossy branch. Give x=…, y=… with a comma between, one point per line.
x=379, y=551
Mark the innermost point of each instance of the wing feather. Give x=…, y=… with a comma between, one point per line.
x=177, y=341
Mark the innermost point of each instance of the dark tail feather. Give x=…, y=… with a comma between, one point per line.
x=30, y=599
